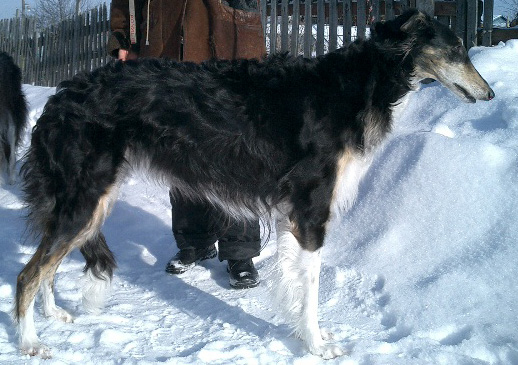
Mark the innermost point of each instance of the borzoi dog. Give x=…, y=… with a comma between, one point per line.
x=286, y=136
x=13, y=114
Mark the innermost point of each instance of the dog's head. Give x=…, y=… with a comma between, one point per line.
x=436, y=53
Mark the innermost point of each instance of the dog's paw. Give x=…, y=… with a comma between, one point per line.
x=326, y=335
x=327, y=351
x=59, y=314
x=36, y=349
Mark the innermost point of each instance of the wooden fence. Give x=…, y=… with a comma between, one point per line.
x=314, y=27
x=59, y=52
x=308, y=27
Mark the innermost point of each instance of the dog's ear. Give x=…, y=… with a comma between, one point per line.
x=397, y=28
x=416, y=21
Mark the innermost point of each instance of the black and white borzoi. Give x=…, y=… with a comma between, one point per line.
x=13, y=114
x=286, y=136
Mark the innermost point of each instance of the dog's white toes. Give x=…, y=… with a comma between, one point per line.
x=36, y=349
x=325, y=350
x=61, y=315
x=326, y=335
x=328, y=351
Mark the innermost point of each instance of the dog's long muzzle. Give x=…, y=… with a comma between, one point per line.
x=471, y=86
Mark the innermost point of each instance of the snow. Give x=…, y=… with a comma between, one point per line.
x=422, y=269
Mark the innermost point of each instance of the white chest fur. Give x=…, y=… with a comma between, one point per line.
x=351, y=168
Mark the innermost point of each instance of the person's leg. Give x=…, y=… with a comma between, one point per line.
x=194, y=233
x=239, y=242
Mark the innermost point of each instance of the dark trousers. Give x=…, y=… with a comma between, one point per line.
x=199, y=225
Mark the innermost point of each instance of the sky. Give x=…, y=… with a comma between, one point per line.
x=8, y=7
x=420, y=271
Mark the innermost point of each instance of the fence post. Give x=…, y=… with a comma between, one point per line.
x=320, y=27
x=273, y=26
x=308, y=28
x=284, y=25
x=471, y=23
x=461, y=20
x=426, y=6
x=361, y=18
x=348, y=21
x=389, y=9
x=333, y=24
x=375, y=17
x=488, y=23
x=295, y=25
x=264, y=16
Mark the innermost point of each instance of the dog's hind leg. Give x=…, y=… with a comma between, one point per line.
x=296, y=289
x=40, y=272
x=28, y=283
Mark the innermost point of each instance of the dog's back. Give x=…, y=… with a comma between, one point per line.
x=13, y=110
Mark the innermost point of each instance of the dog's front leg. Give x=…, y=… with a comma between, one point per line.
x=296, y=289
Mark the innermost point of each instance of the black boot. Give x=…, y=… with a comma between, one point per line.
x=186, y=259
x=242, y=274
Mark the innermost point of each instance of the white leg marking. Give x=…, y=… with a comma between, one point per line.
x=95, y=292
x=29, y=342
x=50, y=309
x=296, y=290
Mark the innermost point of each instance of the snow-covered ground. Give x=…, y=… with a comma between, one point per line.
x=422, y=270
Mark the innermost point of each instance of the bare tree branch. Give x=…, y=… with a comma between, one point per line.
x=52, y=12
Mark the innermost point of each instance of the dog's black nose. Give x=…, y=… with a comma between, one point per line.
x=491, y=95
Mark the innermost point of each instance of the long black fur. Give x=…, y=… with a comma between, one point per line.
x=245, y=134
x=13, y=106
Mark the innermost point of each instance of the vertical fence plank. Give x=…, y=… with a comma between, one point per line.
x=273, y=27
x=60, y=59
x=75, y=44
x=284, y=25
x=51, y=56
x=361, y=19
x=460, y=28
x=471, y=23
x=375, y=12
x=347, y=21
x=104, y=37
x=308, y=28
x=295, y=27
x=82, y=63
x=333, y=25
x=389, y=10
x=89, y=40
x=264, y=16
x=94, y=40
x=320, y=27
x=488, y=23
x=100, y=39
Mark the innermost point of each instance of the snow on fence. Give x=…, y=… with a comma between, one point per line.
x=46, y=57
